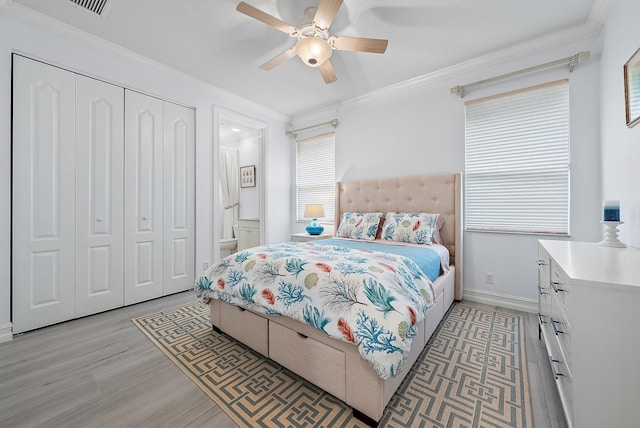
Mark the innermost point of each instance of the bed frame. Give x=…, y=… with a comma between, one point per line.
x=331, y=364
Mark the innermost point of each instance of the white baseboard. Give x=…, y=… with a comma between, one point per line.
x=503, y=300
x=6, y=332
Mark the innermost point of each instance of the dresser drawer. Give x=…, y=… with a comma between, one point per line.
x=544, y=287
x=563, y=379
x=560, y=330
x=561, y=374
x=245, y=326
x=319, y=363
x=561, y=290
x=543, y=260
x=544, y=303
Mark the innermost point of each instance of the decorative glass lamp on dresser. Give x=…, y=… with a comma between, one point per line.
x=589, y=319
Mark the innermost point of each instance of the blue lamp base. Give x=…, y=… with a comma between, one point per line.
x=314, y=228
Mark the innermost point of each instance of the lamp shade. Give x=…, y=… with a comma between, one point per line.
x=313, y=51
x=313, y=211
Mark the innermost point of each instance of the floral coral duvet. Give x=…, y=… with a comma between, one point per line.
x=370, y=298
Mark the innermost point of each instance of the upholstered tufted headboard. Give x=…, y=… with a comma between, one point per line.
x=440, y=194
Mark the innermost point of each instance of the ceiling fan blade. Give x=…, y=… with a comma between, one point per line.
x=256, y=13
x=326, y=12
x=327, y=72
x=277, y=60
x=359, y=44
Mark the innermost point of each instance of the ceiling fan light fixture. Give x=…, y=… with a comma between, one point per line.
x=313, y=51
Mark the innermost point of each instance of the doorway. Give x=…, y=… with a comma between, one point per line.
x=239, y=206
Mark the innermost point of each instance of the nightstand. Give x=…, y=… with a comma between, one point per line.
x=304, y=236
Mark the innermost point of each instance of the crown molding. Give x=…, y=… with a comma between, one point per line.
x=590, y=29
x=599, y=12
x=75, y=35
x=307, y=119
x=575, y=34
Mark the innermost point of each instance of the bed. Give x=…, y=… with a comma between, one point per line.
x=336, y=365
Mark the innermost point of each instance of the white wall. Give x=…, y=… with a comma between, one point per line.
x=420, y=130
x=250, y=196
x=620, y=145
x=59, y=45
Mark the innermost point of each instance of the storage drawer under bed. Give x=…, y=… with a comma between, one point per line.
x=319, y=363
x=245, y=326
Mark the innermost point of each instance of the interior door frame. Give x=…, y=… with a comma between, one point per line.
x=219, y=116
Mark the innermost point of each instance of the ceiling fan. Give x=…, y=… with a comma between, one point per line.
x=315, y=44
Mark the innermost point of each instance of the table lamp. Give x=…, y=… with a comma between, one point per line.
x=314, y=211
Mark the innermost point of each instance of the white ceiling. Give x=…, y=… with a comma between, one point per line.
x=210, y=40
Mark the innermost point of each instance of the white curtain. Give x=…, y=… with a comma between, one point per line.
x=229, y=189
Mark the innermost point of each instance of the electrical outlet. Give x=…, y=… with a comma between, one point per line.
x=205, y=264
x=489, y=278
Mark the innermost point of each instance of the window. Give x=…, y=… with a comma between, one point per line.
x=517, y=161
x=315, y=174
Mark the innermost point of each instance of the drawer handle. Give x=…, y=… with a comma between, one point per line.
x=554, y=285
x=553, y=325
x=541, y=290
x=541, y=320
x=302, y=335
x=554, y=367
x=541, y=262
x=241, y=309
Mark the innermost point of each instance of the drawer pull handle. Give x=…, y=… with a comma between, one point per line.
x=541, y=290
x=541, y=262
x=303, y=336
x=554, y=285
x=554, y=367
x=542, y=321
x=553, y=325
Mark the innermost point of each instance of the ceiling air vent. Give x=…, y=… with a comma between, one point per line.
x=95, y=6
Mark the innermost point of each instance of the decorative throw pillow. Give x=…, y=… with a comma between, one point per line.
x=359, y=225
x=436, y=235
x=417, y=228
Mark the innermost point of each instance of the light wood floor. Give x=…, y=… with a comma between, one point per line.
x=101, y=371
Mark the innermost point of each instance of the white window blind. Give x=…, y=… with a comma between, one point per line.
x=517, y=161
x=315, y=174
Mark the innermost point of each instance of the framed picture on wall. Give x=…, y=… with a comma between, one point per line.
x=632, y=89
x=248, y=176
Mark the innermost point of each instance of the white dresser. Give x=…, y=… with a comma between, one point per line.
x=589, y=319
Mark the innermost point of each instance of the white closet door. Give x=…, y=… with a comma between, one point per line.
x=143, y=198
x=43, y=199
x=178, y=198
x=99, y=195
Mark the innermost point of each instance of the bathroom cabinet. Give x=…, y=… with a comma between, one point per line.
x=248, y=233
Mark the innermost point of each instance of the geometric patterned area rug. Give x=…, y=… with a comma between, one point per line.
x=472, y=373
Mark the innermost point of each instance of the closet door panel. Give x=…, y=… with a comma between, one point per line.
x=178, y=198
x=143, y=198
x=99, y=196
x=43, y=196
